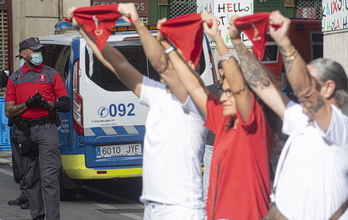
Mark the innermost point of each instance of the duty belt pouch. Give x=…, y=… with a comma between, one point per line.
x=28, y=149
x=57, y=119
x=15, y=144
x=274, y=214
x=25, y=148
x=54, y=118
x=22, y=125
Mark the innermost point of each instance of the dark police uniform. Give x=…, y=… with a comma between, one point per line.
x=35, y=129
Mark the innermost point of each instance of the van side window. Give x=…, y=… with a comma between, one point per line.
x=271, y=51
x=316, y=44
x=134, y=53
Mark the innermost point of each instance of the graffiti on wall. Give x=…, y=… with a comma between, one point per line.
x=335, y=15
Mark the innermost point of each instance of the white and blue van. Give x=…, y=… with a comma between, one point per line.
x=102, y=136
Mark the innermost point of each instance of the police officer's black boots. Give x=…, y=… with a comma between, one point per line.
x=20, y=202
x=25, y=205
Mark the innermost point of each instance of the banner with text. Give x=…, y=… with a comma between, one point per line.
x=224, y=10
x=335, y=15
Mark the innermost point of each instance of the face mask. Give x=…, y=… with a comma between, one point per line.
x=36, y=58
x=21, y=62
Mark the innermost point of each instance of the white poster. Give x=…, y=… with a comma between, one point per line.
x=335, y=15
x=205, y=5
x=224, y=10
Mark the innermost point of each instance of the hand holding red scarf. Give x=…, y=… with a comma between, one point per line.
x=186, y=32
x=98, y=21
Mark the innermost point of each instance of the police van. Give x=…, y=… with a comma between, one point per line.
x=102, y=136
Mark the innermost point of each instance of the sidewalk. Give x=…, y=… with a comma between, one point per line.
x=6, y=157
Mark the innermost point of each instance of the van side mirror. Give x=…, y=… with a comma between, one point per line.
x=7, y=72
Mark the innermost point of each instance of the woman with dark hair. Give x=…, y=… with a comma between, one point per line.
x=239, y=182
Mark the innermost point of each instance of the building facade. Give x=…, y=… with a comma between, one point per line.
x=335, y=29
x=20, y=19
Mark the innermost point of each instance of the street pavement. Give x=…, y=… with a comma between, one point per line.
x=90, y=204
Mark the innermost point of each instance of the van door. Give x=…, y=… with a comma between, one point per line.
x=113, y=119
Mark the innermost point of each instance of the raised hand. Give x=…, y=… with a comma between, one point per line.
x=210, y=25
x=160, y=37
x=70, y=17
x=70, y=13
x=234, y=31
x=160, y=22
x=279, y=28
x=129, y=13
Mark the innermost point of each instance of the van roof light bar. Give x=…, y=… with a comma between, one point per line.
x=63, y=26
x=131, y=28
x=121, y=26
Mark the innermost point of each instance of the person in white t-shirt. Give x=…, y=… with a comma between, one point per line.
x=311, y=180
x=175, y=135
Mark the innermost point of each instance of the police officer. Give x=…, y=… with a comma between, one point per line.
x=22, y=200
x=34, y=93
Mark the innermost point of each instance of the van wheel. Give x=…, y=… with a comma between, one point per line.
x=68, y=187
x=16, y=175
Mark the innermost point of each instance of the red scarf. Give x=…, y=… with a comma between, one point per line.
x=255, y=27
x=98, y=21
x=186, y=32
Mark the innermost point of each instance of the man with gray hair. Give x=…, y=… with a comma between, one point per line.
x=311, y=180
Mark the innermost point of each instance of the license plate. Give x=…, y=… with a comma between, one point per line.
x=123, y=150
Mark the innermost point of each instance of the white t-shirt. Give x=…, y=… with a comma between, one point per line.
x=173, y=148
x=312, y=181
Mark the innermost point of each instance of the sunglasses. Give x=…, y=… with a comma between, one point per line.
x=227, y=92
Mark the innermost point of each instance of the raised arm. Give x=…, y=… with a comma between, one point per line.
x=233, y=73
x=153, y=49
x=155, y=52
x=257, y=76
x=303, y=84
x=112, y=59
x=188, y=77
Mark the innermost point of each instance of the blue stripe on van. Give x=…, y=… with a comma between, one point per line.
x=115, y=130
x=140, y=128
x=120, y=130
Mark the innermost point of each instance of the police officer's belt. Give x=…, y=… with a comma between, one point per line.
x=33, y=122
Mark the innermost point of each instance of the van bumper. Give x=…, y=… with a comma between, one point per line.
x=75, y=167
